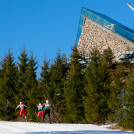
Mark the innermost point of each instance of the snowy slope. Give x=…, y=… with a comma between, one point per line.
x=34, y=128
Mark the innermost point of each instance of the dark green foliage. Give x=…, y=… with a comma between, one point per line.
x=116, y=96
x=8, y=89
x=44, y=88
x=57, y=74
x=74, y=90
x=97, y=88
x=23, y=69
x=79, y=94
x=128, y=120
x=32, y=87
x=108, y=57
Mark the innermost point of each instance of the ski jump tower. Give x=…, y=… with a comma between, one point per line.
x=97, y=30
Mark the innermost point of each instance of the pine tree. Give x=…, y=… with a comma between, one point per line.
x=128, y=120
x=57, y=74
x=116, y=94
x=32, y=87
x=74, y=90
x=64, y=63
x=108, y=57
x=23, y=69
x=8, y=89
x=44, y=87
x=97, y=88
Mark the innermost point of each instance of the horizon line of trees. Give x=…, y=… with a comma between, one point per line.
x=100, y=92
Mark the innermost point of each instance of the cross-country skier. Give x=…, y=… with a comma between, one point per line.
x=39, y=110
x=46, y=107
x=22, y=109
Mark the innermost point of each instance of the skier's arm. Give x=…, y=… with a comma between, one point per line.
x=17, y=107
x=52, y=107
x=25, y=106
x=43, y=106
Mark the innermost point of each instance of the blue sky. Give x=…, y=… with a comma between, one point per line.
x=47, y=25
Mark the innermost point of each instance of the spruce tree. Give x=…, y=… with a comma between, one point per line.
x=108, y=57
x=74, y=90
x=23, y=69
x=44, y=87
x=57, y=74
x=32, y=87
x=115, y=102
x=8, y=89
x=128, y=105
x=97, y=90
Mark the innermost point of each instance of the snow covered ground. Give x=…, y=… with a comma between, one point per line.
x=35, y=128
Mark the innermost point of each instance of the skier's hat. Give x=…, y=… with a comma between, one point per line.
x=39, y=103
x=47, y=101
x=20, y=102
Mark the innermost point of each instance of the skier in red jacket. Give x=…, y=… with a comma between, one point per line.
x=22, y=109
x=39, y=109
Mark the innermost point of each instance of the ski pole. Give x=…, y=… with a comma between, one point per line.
x=52, y=117
x=16, y=114
x=57, y=115
x=15, y=111
x=27, y=115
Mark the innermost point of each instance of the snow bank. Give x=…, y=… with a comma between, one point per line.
x=36, y=128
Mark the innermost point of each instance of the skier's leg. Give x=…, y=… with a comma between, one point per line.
x=39, y=113
x=20, y=115
x=24, y=114
x=44, y=115
x=49, y=117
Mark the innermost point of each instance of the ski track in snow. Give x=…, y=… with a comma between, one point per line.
x=44, y=128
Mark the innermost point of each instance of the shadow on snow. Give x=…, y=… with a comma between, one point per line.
x=82, y=132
